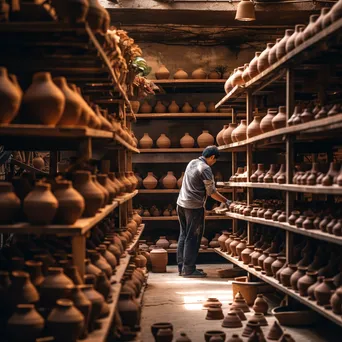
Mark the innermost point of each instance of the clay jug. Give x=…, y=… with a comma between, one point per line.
x=260, y=305
x=205, y=139
x=9, y=203
x=309, y=31
x=227, y=135
x=263, y=58
x=199, y=74
x=245, y=74
x=201, y=108
x=228, y=84
x=99, y=261
x=163, y=242
x=170, y=181
x=173, y=107
x=72, y=11
x=70, y=203
x=300, y=37
x=219, y=137
x=211, y=107
x=43, y=102
x=306, y=281
x=266, y=122
x=105, y=182
x=240, y=132
x=279, y=121
x=272, y=55
x=104, y=191
x=86, y=111
x=40, y=205
x=146, y=141
x=323, y=291
x=253, y=128
x=34, y=268
x=163, y=141
x=180, y=181
x=286, y=274
x=145, y=107
x=150, y=182
x=128, y=310
x=180, y=74
x=65, y=322
x=290, y=44
x=73, y=108
x=253, y=66
x=281, y=46
x=38, y=163
x=159, y=259
x=25, y=325
x=160, y=107
x=336, y=301
x=187, y=141
x=330, y=176
x=186, y=108
x=162, y=73
x=10, y=97
x=237, y=77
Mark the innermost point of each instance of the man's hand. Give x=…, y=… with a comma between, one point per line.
x=228, y=203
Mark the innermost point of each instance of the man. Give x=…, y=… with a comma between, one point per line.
x=198, y=183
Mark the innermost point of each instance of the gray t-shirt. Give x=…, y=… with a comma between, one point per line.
x=198, y=182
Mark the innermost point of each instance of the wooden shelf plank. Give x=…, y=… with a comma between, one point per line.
x=134, y=243
x=189, y=81
x=201, y=251
x=313, y=233
x=312, y=189
x=175, y=191
x=175, y=218
x=272, y=281
x=184, y=116
x=171, y=150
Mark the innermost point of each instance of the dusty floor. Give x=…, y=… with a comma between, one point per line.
x=170, y=298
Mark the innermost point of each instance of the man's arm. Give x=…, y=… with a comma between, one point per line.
x=218, y=197
x=213, y=193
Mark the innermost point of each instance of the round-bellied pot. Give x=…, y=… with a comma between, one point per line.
x=253, y=128
x=145, y=107
x=128, y=310
x=163, y=141
x=150, y=182
x=146, y=141
x=253, y=66
x=306, y=281
x=187, y=108
x=336, y=301
x=187, y=141
x=162, y=73
x=205, y=139
x=170, y=181
x=180, y=74
x=260, y=305
x=263, y=63
x=279, y=121
x=219, y=136
x=266, y=122
x=323, y=291
x=199, y=74
x=173, y=107
x=240, y=132
x=286, y=273
x=227, y=135
x=281, y=46
x=160, y=107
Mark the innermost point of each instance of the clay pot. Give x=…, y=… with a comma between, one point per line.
x=187, y=108
x=162, y=73
x=269, y=175
x=279, y=121
x=323, y=291
x=40, y=205
x=293, y=217
x=286, y=273
x=240, y=247
x=211, y=107
x=145, y=107
x=268, y=264
x=25, y=325
x=259, y=172
x=65, y=322
x=211, y=334
x=245, y=75
x=187, y=141
x=228, y=85
x=232, y=320
x=290, y=44
x=159, y=107
x=306, y=115
x=278, y=265
x=173, y=107
x=310, y=29
x=43, y=102
x=38, y=163
x=300, y=37
x=164, y=335
x=236, y=79
x=275, y=332
x=219, y=136
x=92, y=195
x=272, y=55
x=295, y=117
x=266, y=122
x=146, y=141
x=163, y=141
x=199, y=74
x=333, y=172
x=246, y=254
x=161, y=325
x=86, y=112
x=336, y=301
x=201, y=108
x=180, y=74
x=150, y=182
x=281, y=46
x=103, y=190
x=159, y=259
x=253, y=66
x=34, y=268
x=227, y=134
x=260, y=305
x=163, y=242
x=205, y=139
x=10, y=96
x=99, y=261
x=240, y=132
x=214, y=312
x=222, y=239
x=180, y=181
x=306, y=281
x=128, y=310
x=170, y=181
x=9, y=203
x=254, y=127
x=263, y=58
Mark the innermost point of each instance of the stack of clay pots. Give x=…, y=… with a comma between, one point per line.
x=163, y=74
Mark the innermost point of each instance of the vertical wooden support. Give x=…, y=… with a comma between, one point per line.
x=53, y=163
x=78, y=252
x=85, y=149
x=234, y=168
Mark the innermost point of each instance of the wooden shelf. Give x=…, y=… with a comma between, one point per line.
x=272, y=281
x=175, y=218
x=175, y=191
x=184, y=116
x=313, y=233
x=125, y=144
x=201, y=251
x=312, y=189
x=171, y=150
x=131, y=248
x=189, y=81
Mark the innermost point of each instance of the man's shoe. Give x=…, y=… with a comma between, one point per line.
x=195, y=274
x=181, y=273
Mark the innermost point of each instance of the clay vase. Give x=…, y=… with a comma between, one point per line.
x=43, y=102
x=159, y=107
x=163, y=141
x=159, y=259
x=186, y=108
x=10, y=97
x=65, y=322
x=9, y=203
x=150, y=182
x=219, y=137
x=253, y=128
x=187, y=141
x=277, y=265
x=92, y=195
x=290, y=44
x=237, y=78
x=260, y=305
x=245, y=75
x=227, y=134
x=205, y=139
x=106, y=183
x=40, y=205
x=180, y=74
x=163, y=242
x=162, y=73
x=170, y=181
x=245, y=254
x=300, y=37
x=70, y=203
x=201, y=108
x=267, y=265
x=281, y=46
x=25, y=325
x=306, y=281
x=306, y=115
x=228, y=85
x=199, y=74
x=104, y=191
x=145, y=107
x=34, y=268
x=323, y=291
x=272, y=55
x=286, y=274
x=279, y=121
x=300, y=272
x=336, y=301
x=266, y=122
x=240, y=132
x=333, y=172
x=309, y=31
x=270, y=173
x=173, y=107
x=146, y=141
x=263, y=58
x=253, y=66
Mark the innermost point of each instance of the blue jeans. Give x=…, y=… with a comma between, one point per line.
x=191, y=223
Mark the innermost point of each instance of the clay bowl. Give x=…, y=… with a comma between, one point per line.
x=211, y=301
x=258, y=316
x=232, y=320
x=160, y=325
x=214, y=312
x=288, y=317
x=210, y=333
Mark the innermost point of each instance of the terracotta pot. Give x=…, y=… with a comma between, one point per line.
x=300, y=37
x=34, y=268
x=227, y=135
x=205, y=139
x=10, y=95
x=145, y=107
x=323, y=291
x=295, y=117
x=201, y=108
x=170, y=181
x=162, y=73
x=310, y=29
x=240, y=132
x=159, y=259
x=306, y=115
x=254, y=127
x=245, y=75
x=214, y=75
x=180, y=74
x=43, y=102
x=96, y=16
x=222, y=239
x=103, y=190
x=107, y=184
x=128, y=310
x=281, y=46
x=267, y=265
x=260, y=171
x=240, y=247
x=269, y=175
x=253, y=66
x=332, y=173
x=9, y=203
x=336, y=301
x=180, y=181
x=199, y=74
x=263, y=58
x=336, y=12
x=219, y=136
x=228, y=84
x=237, y=77
x=150, y=182
x=162, y=242
x=306, y=281
x=187, y=141
x=25, y=325
x=266, y=122
x=211, y=107
x=100, y=262
x=135, y=106
x=260, y=305
x=212, y=334
x=146, y=141
x=163, y=141
x=286, y=274
x=173, y=107
x=159, y=107
x=278, y=265
x=279, y=121
x=272, y=55
x=293, y=217
x=290, y=44
x=164, y=335
x=187, y=108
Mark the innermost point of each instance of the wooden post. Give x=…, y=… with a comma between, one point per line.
x=249, y=160
x=78, y=253
x=53, y=163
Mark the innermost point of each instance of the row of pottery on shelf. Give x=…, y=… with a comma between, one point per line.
x=164, y=243
x=276, y=51
x=187, y=141
x=163, y=74
x=169, y=181
x=174, y=108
